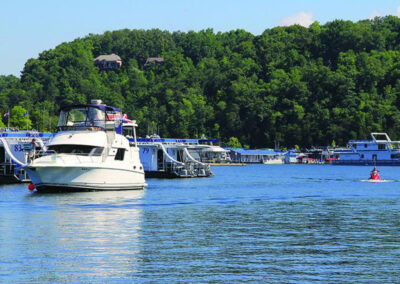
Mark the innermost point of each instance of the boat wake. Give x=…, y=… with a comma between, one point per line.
x=377, y=181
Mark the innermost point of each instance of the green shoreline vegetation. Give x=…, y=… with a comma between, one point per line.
x=294, y=85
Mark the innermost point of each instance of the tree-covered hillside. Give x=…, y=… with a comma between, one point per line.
x=296, y=85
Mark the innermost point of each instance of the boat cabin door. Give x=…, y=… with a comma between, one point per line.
x=160, y=160
x=179, y=155
x=2, y=155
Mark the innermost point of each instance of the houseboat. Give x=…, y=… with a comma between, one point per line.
x=208, y=151
x=257, y=156
x=380, y=150
x=19, y=146
x=170, y=158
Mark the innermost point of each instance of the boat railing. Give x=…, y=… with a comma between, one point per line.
x=196, y=165
x=168, y=155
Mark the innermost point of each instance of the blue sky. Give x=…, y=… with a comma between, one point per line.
x=28, y=27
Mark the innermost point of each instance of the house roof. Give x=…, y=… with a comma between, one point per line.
x=154, y=59
x=108, y=57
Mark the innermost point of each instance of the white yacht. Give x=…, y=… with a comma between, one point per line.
x=380, y=150
x=88, y=152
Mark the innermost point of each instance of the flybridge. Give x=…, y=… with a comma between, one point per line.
x=94, y=103
x=376, y=137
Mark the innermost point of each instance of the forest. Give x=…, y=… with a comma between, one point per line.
x=295, y=86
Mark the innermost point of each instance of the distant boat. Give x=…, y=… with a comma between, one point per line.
x=380, y=150
x=208, y=151
x=257, y=156
x=274, y=160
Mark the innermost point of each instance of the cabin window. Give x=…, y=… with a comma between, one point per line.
x=127, y=131
x=355, y=146
x=82, y=150
x=382, y=146
x=395, y=156
x=120, y=154
x=362, y=156
x=97, y=151
x=365, y=145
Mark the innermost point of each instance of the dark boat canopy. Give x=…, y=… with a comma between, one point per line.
x=100, y=107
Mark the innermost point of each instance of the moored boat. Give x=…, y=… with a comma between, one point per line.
x=380, y=150
x=88, y=152
x=257, y=156
x=170, y=158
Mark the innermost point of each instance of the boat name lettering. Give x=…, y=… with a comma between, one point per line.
x=18, y=148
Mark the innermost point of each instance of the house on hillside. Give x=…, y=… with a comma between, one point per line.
x=108, y=62
x=154, y=60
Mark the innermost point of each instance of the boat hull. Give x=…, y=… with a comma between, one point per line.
x=9, y=179
x=48, y=188
x=160, y=174
x=84, y=178
x=366, y=162
x=273, y=162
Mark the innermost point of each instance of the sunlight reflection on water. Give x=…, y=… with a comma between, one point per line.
x=256, y=223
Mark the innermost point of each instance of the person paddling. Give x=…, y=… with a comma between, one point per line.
x=375, y=174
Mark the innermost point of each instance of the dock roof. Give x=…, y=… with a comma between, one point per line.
x=256, y=152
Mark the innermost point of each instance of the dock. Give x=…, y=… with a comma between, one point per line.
x=228, y=164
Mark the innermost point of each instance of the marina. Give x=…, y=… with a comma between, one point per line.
x=188, y=158
x=259, y=223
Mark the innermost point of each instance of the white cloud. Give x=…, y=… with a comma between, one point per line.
x=374, y=14
x=377, y=13
x=302, y=18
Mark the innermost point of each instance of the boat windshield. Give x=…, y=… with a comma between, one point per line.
x=82, y=150
x=87, y=118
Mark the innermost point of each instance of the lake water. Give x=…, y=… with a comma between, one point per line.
x=258, y=223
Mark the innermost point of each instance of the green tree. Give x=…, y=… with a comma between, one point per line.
x=292, y=85
x=233, y=143
x=19, y=118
